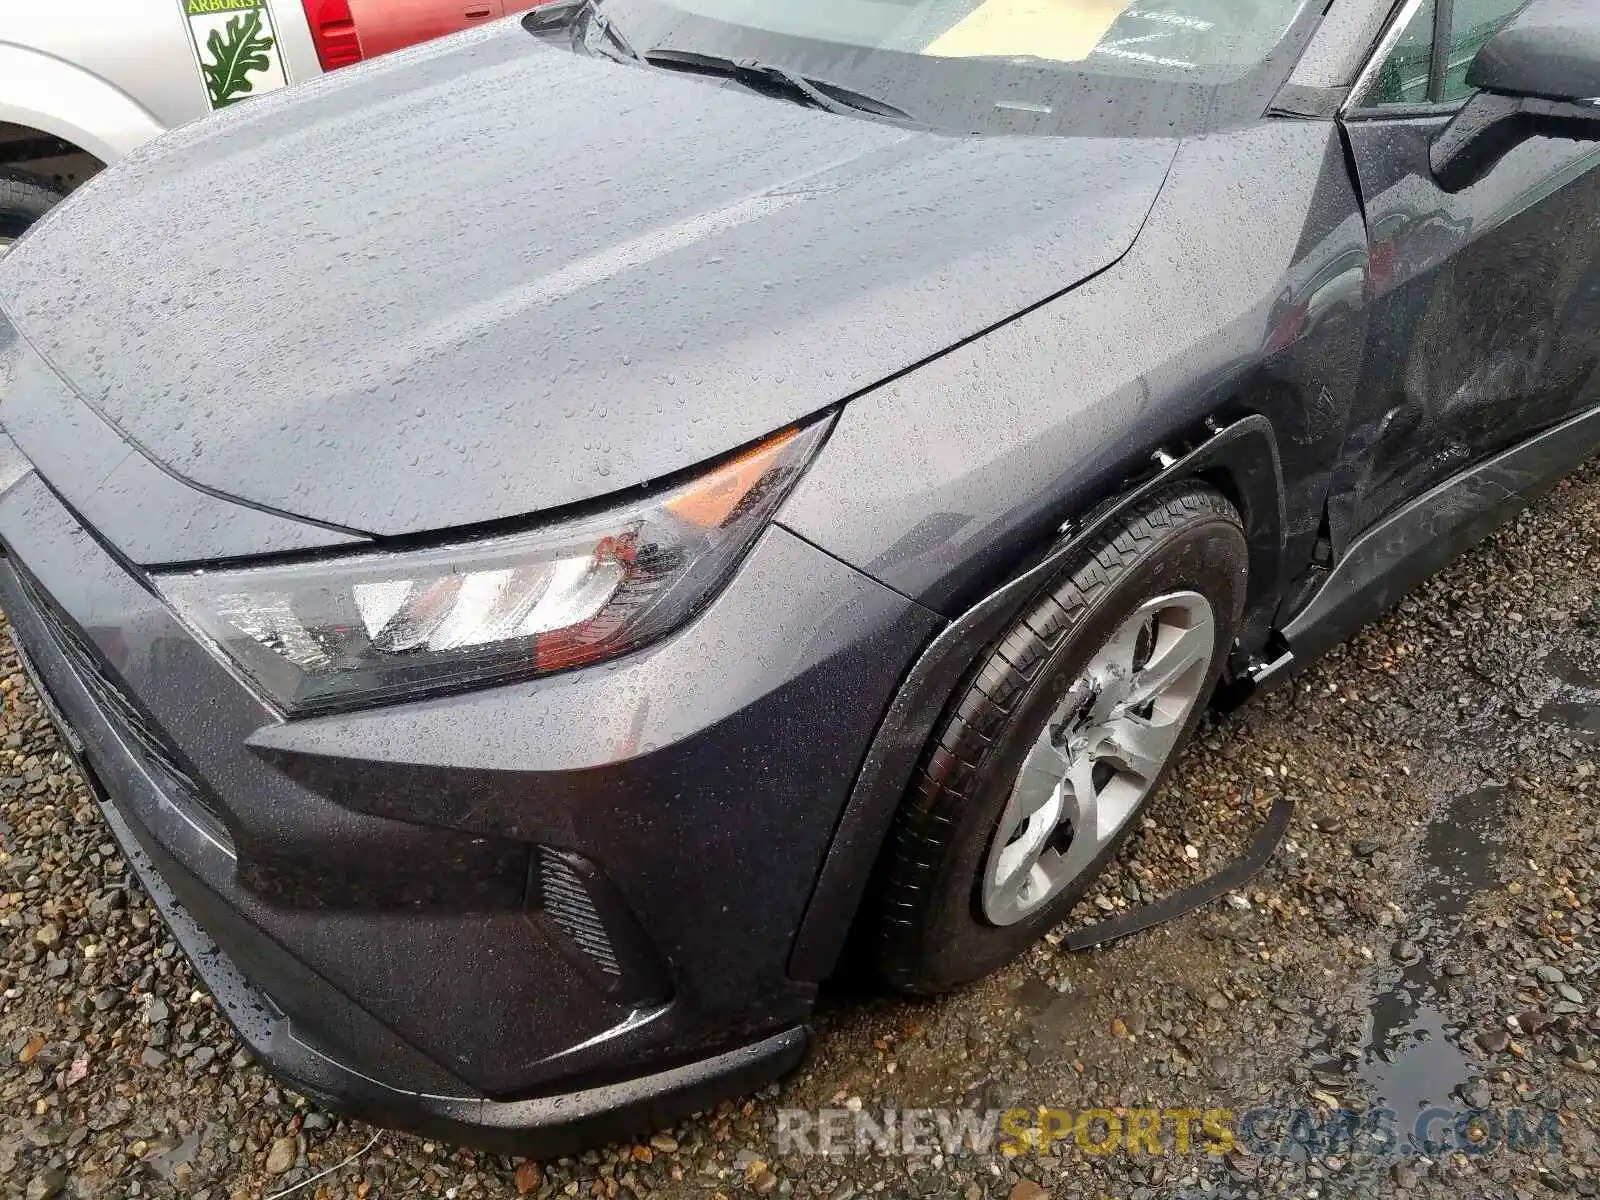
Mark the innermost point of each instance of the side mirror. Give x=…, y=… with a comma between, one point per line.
x=1539, y=77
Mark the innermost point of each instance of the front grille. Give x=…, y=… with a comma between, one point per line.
x=120, y=710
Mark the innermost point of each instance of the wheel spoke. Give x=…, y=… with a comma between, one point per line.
x=1010, y=870
x=1037, y=782
x=1115, y=658
x=1028, y=825
x=1139, y=746
x=1176, y=651
x=1085, y=803
x=1018, y=863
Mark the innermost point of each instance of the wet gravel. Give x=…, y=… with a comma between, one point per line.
x=1425, y=936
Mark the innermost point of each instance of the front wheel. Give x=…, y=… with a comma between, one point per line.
x=1052, y=748
x=23, y=200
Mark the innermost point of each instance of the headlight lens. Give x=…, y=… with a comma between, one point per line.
x=371, y=628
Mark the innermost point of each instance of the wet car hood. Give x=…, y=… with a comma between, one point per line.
x=489, y=277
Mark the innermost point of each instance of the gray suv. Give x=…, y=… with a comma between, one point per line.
x=576, y=531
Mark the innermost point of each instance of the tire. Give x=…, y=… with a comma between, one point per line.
x=23, y=200
x=1049, y=686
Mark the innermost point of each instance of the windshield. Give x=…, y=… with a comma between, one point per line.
x=1110, y=66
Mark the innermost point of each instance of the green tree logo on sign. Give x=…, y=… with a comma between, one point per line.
x=235, y=51
x=235, y=47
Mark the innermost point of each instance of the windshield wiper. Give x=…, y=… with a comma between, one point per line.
x=608, y=29
x=566, y=14
x=760, y=76
x=773, y=79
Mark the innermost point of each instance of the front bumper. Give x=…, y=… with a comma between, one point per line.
x=532, y=917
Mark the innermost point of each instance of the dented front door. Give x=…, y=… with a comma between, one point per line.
x=1484, y=306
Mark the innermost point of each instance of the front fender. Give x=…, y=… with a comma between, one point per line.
x=55, y=97
x=1241, y=456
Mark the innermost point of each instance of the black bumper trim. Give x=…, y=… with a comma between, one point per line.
x=545, y=1127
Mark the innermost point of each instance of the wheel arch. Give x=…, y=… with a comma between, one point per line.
x=1239, y=457
x=55, y=99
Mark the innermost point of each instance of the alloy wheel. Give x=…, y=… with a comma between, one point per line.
x=1100, y=754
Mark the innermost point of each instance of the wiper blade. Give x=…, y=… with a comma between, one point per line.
x=608, y=30
x=770, y=77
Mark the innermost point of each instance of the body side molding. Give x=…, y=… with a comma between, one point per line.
x=1419, y=538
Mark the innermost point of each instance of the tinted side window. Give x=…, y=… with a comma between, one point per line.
x=1404, y=78
x=1406, y=74
x=1472, y=23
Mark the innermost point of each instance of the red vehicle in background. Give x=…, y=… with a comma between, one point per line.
x=347, y=31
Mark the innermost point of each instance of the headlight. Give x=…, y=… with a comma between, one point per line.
x=370, y=628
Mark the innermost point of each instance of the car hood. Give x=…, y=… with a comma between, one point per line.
x=491, y=277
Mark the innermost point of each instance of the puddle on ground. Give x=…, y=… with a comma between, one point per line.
x=1412, y=1058
x=1573, y=669
x=1581, y=718
x=1576, y=704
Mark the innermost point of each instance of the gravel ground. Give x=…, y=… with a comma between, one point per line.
x=1423, y=936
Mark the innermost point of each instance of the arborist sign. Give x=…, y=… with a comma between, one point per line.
x=236, y=47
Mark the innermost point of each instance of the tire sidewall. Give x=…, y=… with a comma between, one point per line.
x=23, y=201
x=1208, y=557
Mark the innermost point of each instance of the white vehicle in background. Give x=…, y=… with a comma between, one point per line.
x=83, y=82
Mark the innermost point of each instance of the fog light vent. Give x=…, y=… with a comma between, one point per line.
x=566, y=902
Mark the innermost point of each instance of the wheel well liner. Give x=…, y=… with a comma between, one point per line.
x=37, y=154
